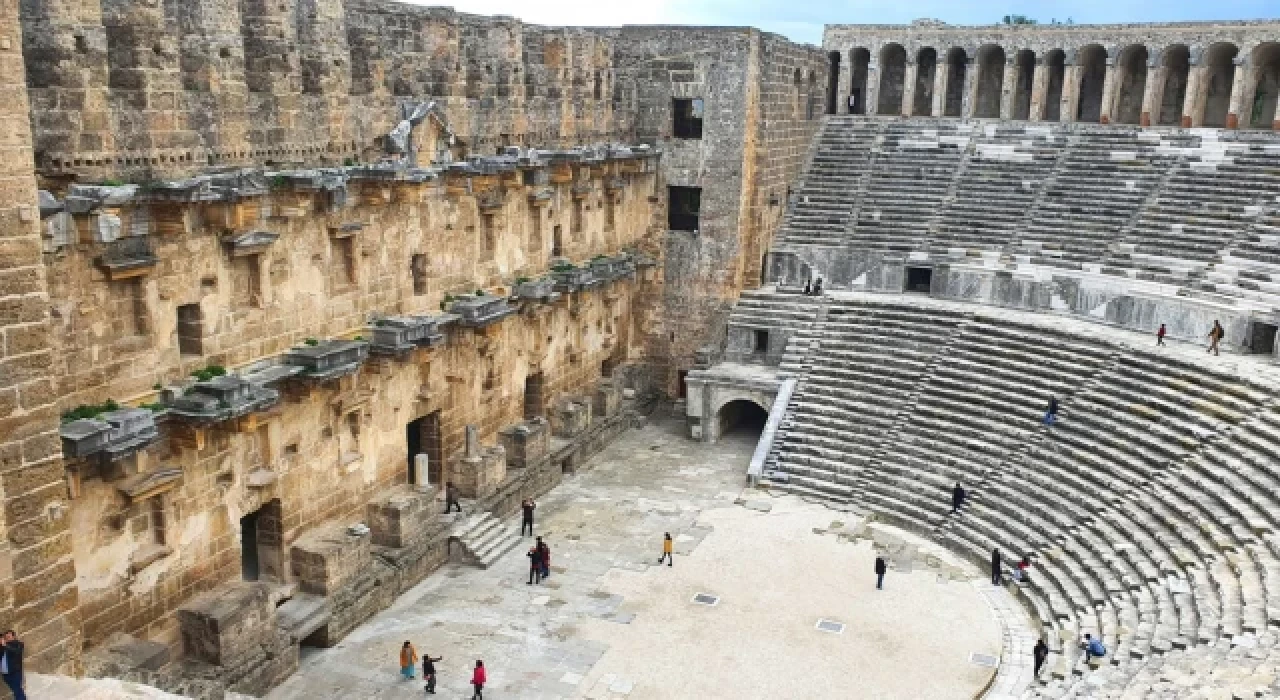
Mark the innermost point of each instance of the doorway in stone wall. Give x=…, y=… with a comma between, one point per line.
x=422, y=436
x=262, y=544
x=1262, y=338
x=534, y=403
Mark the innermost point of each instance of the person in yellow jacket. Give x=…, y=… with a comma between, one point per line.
x=666, y=549
x=408, y=661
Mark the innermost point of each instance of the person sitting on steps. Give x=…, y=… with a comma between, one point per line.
x=1093, y=648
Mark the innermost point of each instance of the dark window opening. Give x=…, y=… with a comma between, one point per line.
x=190, y=329
x=761, y=341
x=1262, y=338
x=680, y=378
x=919, y=279
x=557, y=242
x=682, y=208
x=688, y=118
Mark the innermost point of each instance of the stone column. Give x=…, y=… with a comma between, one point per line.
x=1197, y=87
x=1039, y=86
x=1110, y=86
x=941, y=73
x=39, y=597
x=873, y=87
x=1070, y=91
x=1151, y=98
x=909, y=89
x=844, y=80
x=1009, y=88
x=421, y=471
x=1242, y=87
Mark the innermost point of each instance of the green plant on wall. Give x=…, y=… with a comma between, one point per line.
x=92, y=410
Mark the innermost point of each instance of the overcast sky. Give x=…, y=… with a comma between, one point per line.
x=802, y=20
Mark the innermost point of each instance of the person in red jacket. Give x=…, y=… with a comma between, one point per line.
x=1160, y=334
x=478, y=679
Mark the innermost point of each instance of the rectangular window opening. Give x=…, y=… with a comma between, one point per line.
x=919, y=279
x=761, y=341
x=418, y=267
x=687, y=116
x=683, y=204
x=190, y=330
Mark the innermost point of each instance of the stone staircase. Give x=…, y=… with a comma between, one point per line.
x=484, y=539
x=822, y=206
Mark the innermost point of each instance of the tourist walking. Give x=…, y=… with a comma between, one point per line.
x=535, y=565
x=1093, y=648
x=995, y=567
x=429, y=671
x=478, y=679
x=957, y=497
x=527, y=507
x=408, y=661
x=11, y=664
x=881, y=567
x=666, y=548
x=1215, y=336
x=807, y=288
x=1038, y=655
x=544, y=558
x=1160, y=334
x=1021, y=572
x=451, y=497
x=1051, y=413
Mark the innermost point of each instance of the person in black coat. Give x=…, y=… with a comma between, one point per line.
x=881, y=567
x=11, y=664
x=429, y=671
x=995, y=567
x=1039, y=654
x=957, y=497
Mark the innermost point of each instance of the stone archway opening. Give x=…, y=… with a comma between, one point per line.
x=1093, y=73
x=1266, y=94
x=1055, y=64
x=990, y=82
x=957, y=65
x=741, y=419
x=926, y=71
x=1221, y=74
x=1024, y=62
x=858, y=62
x=1177, y=66
x=833, y=81
x=893, y=75
x=1131, y=83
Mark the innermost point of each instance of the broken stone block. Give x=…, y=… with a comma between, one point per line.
x=527, y=442
x=478, y=475
x=326, y=558
x=234, y=627
x=400, y=516
x=572, y=417
x=608, y=398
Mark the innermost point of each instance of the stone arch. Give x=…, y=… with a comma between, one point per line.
x=1024, y=63
x=859, y=60
x=926, y=73
x=1176, y=63
x=989, y=82
x=957, y=65
x=893, y=74
x=1261, y=111
x=1092, y=63
x=741, y=414
x=833, y=80
x=1131, y=84
x=1055, y=66
x=1220, y=73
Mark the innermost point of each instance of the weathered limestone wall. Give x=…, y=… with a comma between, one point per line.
x=761, y=98
x=37, y=576
x=1215, y=73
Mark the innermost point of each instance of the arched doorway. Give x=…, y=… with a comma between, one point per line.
x=1024, y=62
x=833, y=80
x=858, y=62
x=1262, y=110
x=1093, y=73
x=926, y=71
x=893, y=75
x=1131, y=85
x=1177, y=64
x=741, y=419
x=1055, y=63
x=1222, y=72
x=957, y=65
x=990, y=82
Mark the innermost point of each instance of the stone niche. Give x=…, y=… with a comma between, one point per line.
x=572, y=417
x=526, y=443
x=399, y=517
x=235, y=628
x=479, y=471
x=607, y=400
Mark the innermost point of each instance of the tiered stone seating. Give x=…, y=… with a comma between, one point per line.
x=1208, y=202
x=1103, y=180
x=912, y=172
x=775, y=312
x=1006, y=169
x=824, y=202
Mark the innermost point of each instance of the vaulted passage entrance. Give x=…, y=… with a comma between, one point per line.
x=741, y=418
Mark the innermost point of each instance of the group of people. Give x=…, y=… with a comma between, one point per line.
x=814, y=288
x=1093, y=649
x=409, y=663
x=1215, y=335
